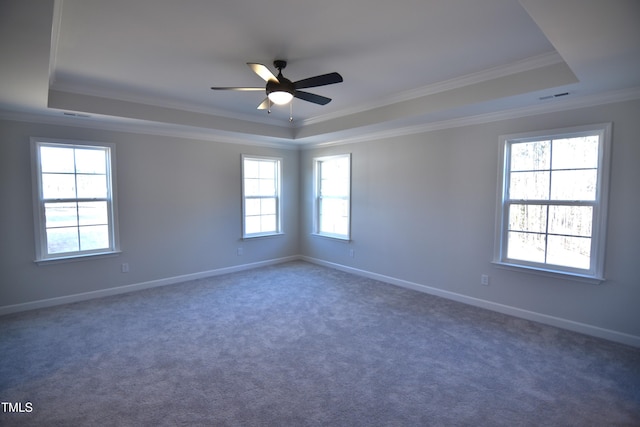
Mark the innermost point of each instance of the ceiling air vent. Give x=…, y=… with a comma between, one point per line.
x=557, y=95
x=66, y=113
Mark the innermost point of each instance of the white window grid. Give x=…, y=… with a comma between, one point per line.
x=335, y=224
x=44, y=250
x=597, y=204
x=261, y=198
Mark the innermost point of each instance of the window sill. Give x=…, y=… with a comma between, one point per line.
x=76, y=258
x=333, y=236
x=593, y=280
x=260, y=236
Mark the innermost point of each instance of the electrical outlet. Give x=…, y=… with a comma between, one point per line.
x=239, y=252
x=484, y=280
x=352, y=253
x=124, y=267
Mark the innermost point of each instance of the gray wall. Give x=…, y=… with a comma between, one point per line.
x=423, y=211
x=179, y=205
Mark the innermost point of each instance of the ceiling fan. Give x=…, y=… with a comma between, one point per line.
x=281, y=90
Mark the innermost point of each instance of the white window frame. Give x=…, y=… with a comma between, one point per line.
x=278, y=196
x=595, y=272
x=42, y=252
x=317, y=197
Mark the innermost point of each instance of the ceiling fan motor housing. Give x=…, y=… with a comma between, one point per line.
x=282, y=85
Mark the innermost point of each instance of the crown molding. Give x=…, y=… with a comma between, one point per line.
x=527, y=64
x=154, y=102
x=177, y=131
x=93, y=121
x=611, y=97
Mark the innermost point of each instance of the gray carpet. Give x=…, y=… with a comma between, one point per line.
x=302, y=345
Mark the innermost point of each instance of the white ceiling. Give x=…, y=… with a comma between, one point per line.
x=406, y=64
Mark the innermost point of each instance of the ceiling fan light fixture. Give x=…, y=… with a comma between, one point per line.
x=280, y=97
x=280, y=90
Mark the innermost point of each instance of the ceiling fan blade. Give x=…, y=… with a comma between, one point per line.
x=312, y=97
x=238, y=88
x=264, y=105
x=262, y=71
x=322, y=80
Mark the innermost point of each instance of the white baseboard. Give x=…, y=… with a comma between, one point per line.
x=50, y=302
x=571, y=325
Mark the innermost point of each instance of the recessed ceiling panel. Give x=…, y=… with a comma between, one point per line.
x=170, y=53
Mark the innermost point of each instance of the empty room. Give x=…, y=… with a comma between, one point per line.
x=338, y=213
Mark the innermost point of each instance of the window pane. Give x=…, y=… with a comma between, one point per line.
x=92, y=186
x=529, y=186
x=574, y=185
x=259, y=187
x=528, y=218
x=341, y=226
x=327, y=224
x=94, y=237
x=252, y=224
x=575, y=153
x=251, y=169
x=334, y=224
x=572, y=220
x=91, y=161
x=268, y=206
x=526, y=246
x=60, y=215
x=569, y=251
x=252, y=207
x=56, y=159
x=334, y=216
x=338, y=167
x=58, y=186
x=529, y=156
x=61, y=240
x=267, y=187
x=267, y=223
x=334, y=207
x=267, y=170
x=334, y=187
x=251, y=187
x=93, y=213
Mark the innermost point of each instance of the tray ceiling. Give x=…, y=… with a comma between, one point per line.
x=406, y=63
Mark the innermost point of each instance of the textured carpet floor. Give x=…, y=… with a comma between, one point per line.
x=302, y=345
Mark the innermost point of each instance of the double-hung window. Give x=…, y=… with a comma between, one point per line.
x=261, y=196
x=74, y=199
x=553, y=201
x=332, y=210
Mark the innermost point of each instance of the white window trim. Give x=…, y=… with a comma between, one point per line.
x=279, y=223
x=316, y=196
x=596, y=272
x=39, y=218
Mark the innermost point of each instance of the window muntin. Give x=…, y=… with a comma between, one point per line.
x=553, y=201
x=73, y=199
x=332, y=210
x=261, y=196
